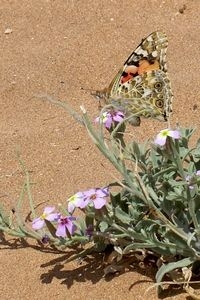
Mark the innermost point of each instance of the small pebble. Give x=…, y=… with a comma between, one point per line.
x=8, y=31
x=182, y=9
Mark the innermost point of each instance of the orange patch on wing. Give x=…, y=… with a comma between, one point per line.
x=130, y=70
x=145, y=66
x=126, y=78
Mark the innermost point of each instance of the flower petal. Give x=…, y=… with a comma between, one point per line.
x=160, y=140
x=163, y=134
x=52, y=217
x=71, y=227
x=49, y=209
x=102, y=192
x=118, y=116
x=61, y=230
x=99, y=203
x=37, y=223
x=84, y=203
x=75, y=201
x=108, y=123
x=71, y=207
x=89, y=193
x=174, y=133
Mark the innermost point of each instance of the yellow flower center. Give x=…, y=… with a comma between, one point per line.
x=43, y=216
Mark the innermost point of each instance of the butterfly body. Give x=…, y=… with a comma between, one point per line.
x=141, y=87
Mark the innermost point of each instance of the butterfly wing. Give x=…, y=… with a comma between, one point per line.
x=149, y=55
x=142, y=87
x=148, y=95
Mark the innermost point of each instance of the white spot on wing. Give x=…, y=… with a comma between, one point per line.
x=154, y=53
x=140, y=51
x=147, y=92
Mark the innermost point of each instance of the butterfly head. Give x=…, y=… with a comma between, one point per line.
x=100, y=94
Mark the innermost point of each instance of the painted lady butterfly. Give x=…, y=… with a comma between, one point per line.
x=141, y=87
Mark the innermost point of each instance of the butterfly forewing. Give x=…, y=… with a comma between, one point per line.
x=152, y=48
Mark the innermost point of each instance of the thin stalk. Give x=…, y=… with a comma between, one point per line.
x=27, y=181
x=177, y=159
x=19, y=205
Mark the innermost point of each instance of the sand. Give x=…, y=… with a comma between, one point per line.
x=56, y=48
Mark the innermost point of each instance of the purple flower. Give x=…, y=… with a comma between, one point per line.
x=77, y=200
x=45, y=239
x=117, y=116
x=82, y=199
x=39, y=222
x=65, y=224
x=96, y=197
x=163, y=134
x=110, y=118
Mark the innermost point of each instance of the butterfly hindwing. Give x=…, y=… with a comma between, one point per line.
x=145, y=97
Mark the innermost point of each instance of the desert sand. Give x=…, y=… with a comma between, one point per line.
x=57, y=48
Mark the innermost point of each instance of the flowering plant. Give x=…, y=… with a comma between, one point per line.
x=153, y=210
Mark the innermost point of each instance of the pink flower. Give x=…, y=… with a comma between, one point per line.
x=110, y=118
x=96, y=196
x=82, y=199
x=65, y=224
x=163, y=134
x=39, y=222
x=77, y=200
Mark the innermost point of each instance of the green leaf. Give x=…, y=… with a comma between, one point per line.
x=166, y=268
x=51, y=228
x=122, y=216
x=103, y=226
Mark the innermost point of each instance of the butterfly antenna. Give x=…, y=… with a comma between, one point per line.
x=88, y=90
x=95, y=93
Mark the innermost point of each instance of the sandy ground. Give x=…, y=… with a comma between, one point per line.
x=57, y=47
